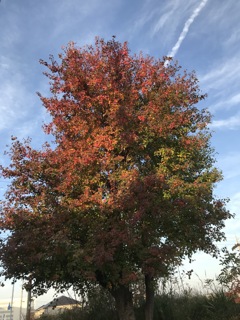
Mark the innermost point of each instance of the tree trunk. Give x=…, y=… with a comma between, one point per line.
x=149, y=303
x=124, y=302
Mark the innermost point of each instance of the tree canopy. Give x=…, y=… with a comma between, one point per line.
x=126, y=188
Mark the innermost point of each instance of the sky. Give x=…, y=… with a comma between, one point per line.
x=202, y=35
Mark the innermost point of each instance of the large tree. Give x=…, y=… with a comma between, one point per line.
x=126, y=188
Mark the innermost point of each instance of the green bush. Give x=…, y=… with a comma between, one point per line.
x=172, y=305
x=100, y=306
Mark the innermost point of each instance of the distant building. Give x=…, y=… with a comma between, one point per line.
x=57, y=305
x=6, y=314
x=14, y=314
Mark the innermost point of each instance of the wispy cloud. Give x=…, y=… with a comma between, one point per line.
x=166, y=14
x=20, y=114
x=229, y=164
x=235, y=204
x=232, y=225
x=231, y=123
x=12, y=102
x=186, y=27
x=222, y=85
x=222, y=73
x=227, y=104
x=233, y=39
x=155, y=19
x=170, y=16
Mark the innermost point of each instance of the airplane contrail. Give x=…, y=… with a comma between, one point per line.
x=186, y=27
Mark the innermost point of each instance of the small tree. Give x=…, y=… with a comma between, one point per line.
x=229, y=275
x=127, y=188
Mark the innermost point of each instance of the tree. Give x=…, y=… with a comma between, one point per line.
x=229, y=275
x=126, y=190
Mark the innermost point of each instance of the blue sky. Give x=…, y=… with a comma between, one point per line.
x=202, y=35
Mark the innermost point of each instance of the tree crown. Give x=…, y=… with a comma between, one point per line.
x=128, y=186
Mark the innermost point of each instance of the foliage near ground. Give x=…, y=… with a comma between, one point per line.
x=171, y=304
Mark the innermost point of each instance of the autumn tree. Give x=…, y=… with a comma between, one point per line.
x=126, y=188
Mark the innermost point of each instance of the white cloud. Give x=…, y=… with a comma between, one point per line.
x=229, y=187
x=234, y=99
x=186, y=27
x=226, y=104
x=172, y=9
x=68, y=15
x=15, y=99
x=222, y=74
x=145, y=14
x=21, y=114
x=222, y=85
x=234, y=204
x=12, y=99
x=233, y=39
x=232, y=225
x=142, y=20
x=161, y=20
x=231, y=123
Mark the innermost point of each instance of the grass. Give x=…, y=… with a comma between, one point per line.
x=173, y=301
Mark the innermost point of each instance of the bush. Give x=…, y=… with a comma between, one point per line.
x=172, y=305
x=100, y=306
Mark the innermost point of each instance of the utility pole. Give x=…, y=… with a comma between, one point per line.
x=11, y=308
x=20, y=311
x=29, y=300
